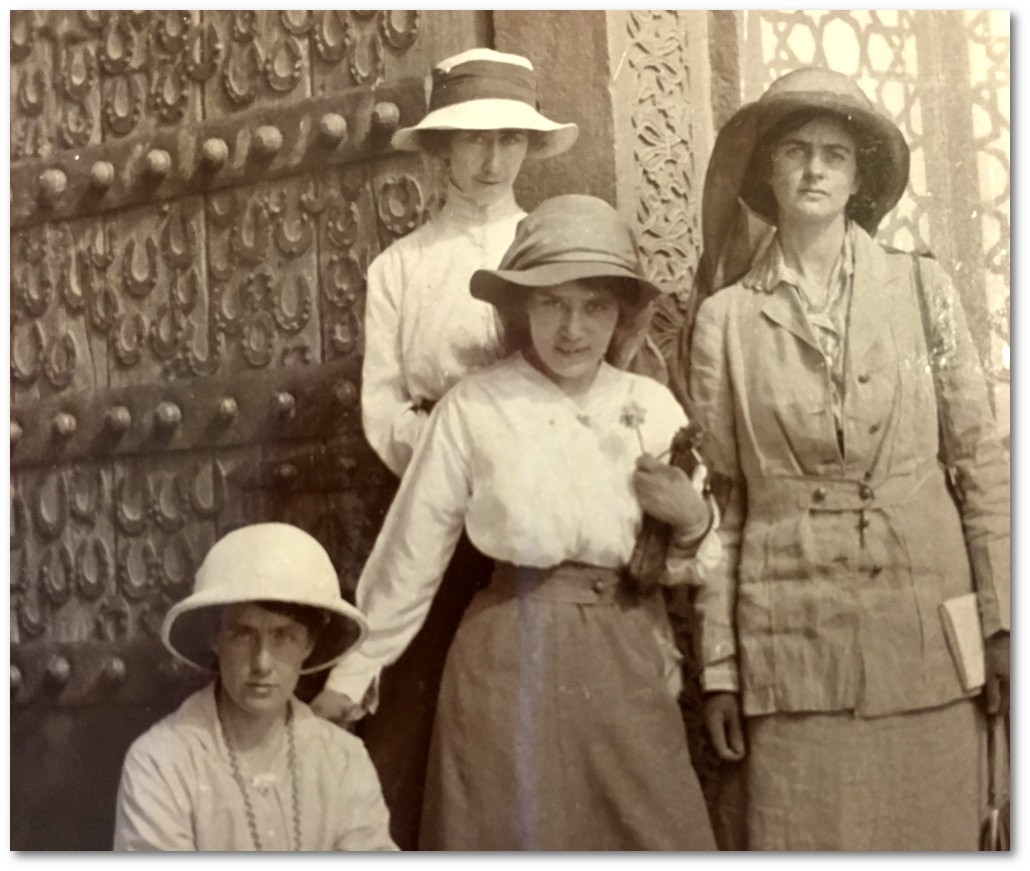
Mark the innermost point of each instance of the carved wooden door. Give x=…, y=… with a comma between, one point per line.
x=195, y=199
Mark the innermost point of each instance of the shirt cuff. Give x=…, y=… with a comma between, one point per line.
x=721, y=676
x=356, y=678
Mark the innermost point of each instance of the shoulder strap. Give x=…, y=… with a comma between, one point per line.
x=929, y=324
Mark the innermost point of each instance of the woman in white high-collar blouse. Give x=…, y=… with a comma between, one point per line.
x=423, y=332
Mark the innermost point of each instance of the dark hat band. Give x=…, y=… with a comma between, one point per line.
x=483, y=80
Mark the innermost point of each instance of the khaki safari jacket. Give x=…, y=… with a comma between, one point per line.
x=836, y=561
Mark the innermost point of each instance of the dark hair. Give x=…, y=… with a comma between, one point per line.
x=868, y=155
x=314, y=620
x=437, y=143
x=515, y=317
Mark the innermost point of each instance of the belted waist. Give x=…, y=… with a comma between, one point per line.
x=566, y=582
x=818, y=493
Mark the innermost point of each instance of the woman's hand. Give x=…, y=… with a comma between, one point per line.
x=666, y=493
x=998, y=668
x=725, y=725
x=337, y=708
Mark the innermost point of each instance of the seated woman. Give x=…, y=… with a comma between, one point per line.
x=243, y=764
x=555, y=729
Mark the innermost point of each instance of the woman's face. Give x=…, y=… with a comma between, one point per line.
x=260, y=656
x=485, y=163
x=571, y=326
x=814, y=172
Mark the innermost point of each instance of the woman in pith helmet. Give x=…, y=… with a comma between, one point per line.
x=243, y=764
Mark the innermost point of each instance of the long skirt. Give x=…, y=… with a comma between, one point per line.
x=914, y=781
x=555, y=727
x=397, y=736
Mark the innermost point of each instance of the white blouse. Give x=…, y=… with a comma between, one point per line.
x=423, y=329
x=536, y=477
x=178, y=791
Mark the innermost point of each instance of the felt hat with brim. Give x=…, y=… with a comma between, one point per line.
x=483, y=89
x=883, y=154
x=273, y=562
x=565, y=238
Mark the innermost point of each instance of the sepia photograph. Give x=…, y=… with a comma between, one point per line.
x=510, y=430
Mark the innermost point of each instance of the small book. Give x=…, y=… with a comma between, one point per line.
x=960, y=617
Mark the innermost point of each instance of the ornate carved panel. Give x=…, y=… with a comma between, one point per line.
x=668, y=154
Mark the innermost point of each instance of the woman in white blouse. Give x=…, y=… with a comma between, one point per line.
x=555, y=728
x=423, y=331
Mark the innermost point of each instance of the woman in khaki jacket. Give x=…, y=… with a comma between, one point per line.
x=826, y=660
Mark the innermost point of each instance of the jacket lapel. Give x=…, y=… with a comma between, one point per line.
x=783, y=308
x=875, y=293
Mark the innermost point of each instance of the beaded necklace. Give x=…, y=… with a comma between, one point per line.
x=291, y=758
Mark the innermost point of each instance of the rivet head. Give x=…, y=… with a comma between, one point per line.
x=64, y=424
x=118, y=419
x=171, y=670
x=865, y=491
x=15, y=433
x=167, y=415
x=101, y=175
x=284, y=403
x=598, y=587
x=333, y=127
x=114, y=670
x=385, y=117
x=52, y=183
x=267, y=140
x=228, y=408
x=158, y=163
x=214, y=152
x=58, y=670
x=16, y=678
x=819, y=494
x=346, y=393
x=285, y=472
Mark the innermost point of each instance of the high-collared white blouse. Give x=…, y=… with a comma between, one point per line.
x=536, y=477
x=423, y=329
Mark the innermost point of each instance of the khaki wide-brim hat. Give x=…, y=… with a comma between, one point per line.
x=883, y=152
x=565, y=238
x=273, y=562
x=483, y=89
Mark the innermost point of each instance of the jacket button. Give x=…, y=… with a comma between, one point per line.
x=863, y=378
x=819, y=494
x=865, y=491
x=874, y=428
x=598, y=587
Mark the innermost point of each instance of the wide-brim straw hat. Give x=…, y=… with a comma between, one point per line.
x=273, y=562
x=565, y=238
x=883, y=155
x=483, y=89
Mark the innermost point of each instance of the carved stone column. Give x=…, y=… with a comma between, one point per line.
x=638, y=84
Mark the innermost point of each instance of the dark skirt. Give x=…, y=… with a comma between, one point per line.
x=397, y=735
x=555, y=729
